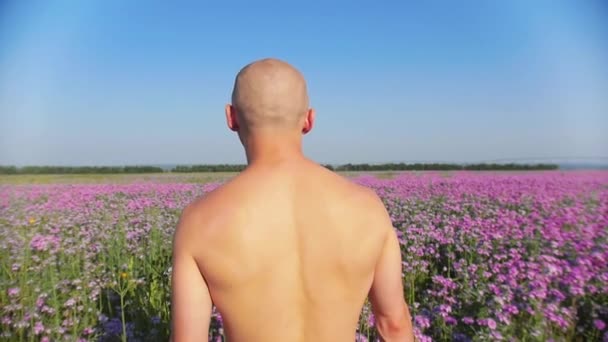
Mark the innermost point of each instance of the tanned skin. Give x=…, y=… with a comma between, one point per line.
x=287, y=250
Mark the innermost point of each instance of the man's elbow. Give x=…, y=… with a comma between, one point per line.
x=396, y=327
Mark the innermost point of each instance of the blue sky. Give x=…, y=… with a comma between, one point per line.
x=125, y=82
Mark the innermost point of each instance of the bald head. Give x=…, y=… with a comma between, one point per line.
x=270, y=93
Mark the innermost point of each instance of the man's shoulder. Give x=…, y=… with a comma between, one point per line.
x=210, y=200
x=202, y=213
x=200, y=204
x=364, y=202
x=363, y=196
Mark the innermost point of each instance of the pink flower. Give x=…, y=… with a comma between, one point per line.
x=599, y=324
x=38, y=328
x=491, y=324
x=70, y=303
x=13, y=292
x=40, y=301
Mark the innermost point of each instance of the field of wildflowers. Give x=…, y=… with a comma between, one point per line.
x=487, y=256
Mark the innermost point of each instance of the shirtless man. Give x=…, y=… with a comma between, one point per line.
x=287, y=250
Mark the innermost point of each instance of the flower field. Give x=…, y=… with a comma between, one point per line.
x=486, y=256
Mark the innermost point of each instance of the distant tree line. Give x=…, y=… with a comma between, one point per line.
x=383, y=167
x=33, y=170
x=209, y=168
x=45, y=170
x=441, y=167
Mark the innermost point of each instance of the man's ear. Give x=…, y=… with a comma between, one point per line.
x=309, y=122
x=231, y=118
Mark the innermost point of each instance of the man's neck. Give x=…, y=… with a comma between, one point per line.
x=269, y=149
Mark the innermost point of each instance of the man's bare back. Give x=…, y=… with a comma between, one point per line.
x=287, y=251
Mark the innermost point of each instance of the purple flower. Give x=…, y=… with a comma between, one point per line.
x=421, y=337
x=444, y=310
x=40, y=301
x=113, y=327
x=599, y=324
x=371, y=320
x=70, y=303
x=38, y=328
x=450, y=320
x=44, y=242
x=468, y=320
x=218, y=316
x=459, y=337
x=47, y=309
x=360, y=338
x=422, y=322
x=496, y=336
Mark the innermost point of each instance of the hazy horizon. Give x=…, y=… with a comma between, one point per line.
x=117, y=83
x=601, y=163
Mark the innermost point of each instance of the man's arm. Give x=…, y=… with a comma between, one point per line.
x=393, y=320
x=190, y=299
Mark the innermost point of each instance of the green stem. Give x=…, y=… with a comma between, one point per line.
x=122, y=314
